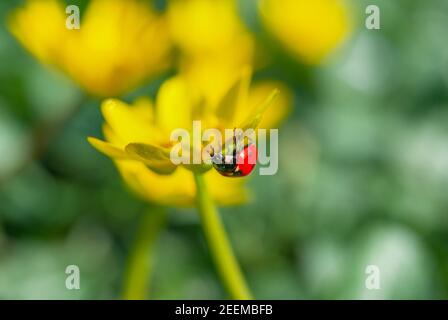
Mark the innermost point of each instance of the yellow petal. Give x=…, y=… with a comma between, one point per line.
x=174, y=105
x=178, y=189
x=235, y=98
x=144, y=109
x=127, y=121
x=130, y=175
x=309, y=29
x=204, y=26
x=117, y=41
x=108, y=149
x=211, y=75
x=40, y=28
x=112, y=137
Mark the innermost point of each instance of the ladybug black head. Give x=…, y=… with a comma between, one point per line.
x=224, y=164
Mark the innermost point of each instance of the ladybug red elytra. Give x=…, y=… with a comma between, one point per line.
x=239, y=163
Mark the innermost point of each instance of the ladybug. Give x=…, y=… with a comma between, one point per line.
x=239, y=162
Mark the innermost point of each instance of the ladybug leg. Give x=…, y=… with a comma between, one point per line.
x=234, y=143
x=216, y=157
x=211, y=151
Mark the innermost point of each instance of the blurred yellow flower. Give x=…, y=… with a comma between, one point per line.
x=214, y=44
x=206, y=26
x=215, y=47
x=310, y=29
x=138, y=139
x=120, y=43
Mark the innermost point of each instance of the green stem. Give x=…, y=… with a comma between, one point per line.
x=219, y=245
x=140, y=259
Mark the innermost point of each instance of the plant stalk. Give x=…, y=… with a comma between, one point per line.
x=140, y=261
x=221, y=250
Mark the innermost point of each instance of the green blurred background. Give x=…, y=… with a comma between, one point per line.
x=363, y=178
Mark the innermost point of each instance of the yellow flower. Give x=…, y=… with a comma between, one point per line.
x=214, y=44
x=206, y=26
x=138, y=139
x=215, y=47
x=120, y=43
x=310, y=29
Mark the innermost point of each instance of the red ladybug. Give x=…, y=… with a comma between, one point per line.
x=239, y=163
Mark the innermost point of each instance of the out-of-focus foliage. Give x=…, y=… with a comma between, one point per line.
x=362, y=178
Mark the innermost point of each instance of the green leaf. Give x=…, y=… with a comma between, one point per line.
x=154, y=157
x=198, y=168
